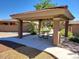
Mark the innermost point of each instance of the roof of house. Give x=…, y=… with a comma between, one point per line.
x=73, y=22
x=7, y=21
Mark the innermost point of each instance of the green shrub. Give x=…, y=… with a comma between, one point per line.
x=74, y=39
x=71, y=37
x=62, y=33
x=33, y=33
x=32, y=29
x=76, y=34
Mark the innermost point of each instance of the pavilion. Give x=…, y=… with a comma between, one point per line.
x=56, y=14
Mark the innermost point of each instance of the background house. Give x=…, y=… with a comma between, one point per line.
x=74, y=26
x=12, y=26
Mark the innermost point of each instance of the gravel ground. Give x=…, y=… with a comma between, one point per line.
x=71, y=46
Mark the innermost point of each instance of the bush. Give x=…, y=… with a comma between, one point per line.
x=62, y=33
x=32, y=29
x=74, y=39
x=71, y=37
x=33, y=33
x=76, y=34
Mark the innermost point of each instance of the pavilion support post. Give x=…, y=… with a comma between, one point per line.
x=66, y=28
x=56, y=27
x=39, y=27
x=20, y=28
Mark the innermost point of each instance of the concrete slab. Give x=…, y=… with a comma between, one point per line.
x=43, y=44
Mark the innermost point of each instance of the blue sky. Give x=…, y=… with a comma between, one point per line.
x=8, y=7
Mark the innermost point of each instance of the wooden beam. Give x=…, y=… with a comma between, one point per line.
x=20, y=28
x=66, y=28
x=39, y=26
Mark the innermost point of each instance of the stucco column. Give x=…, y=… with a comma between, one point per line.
x=20, y=28
x=56, y=27
x=66, y=28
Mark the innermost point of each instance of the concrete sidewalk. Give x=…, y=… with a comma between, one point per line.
x=43, y=44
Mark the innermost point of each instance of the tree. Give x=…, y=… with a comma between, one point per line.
x=44, y=4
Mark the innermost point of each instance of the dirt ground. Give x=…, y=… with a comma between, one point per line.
x=12, y=50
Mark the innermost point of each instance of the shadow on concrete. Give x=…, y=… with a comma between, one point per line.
x=28, y=51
